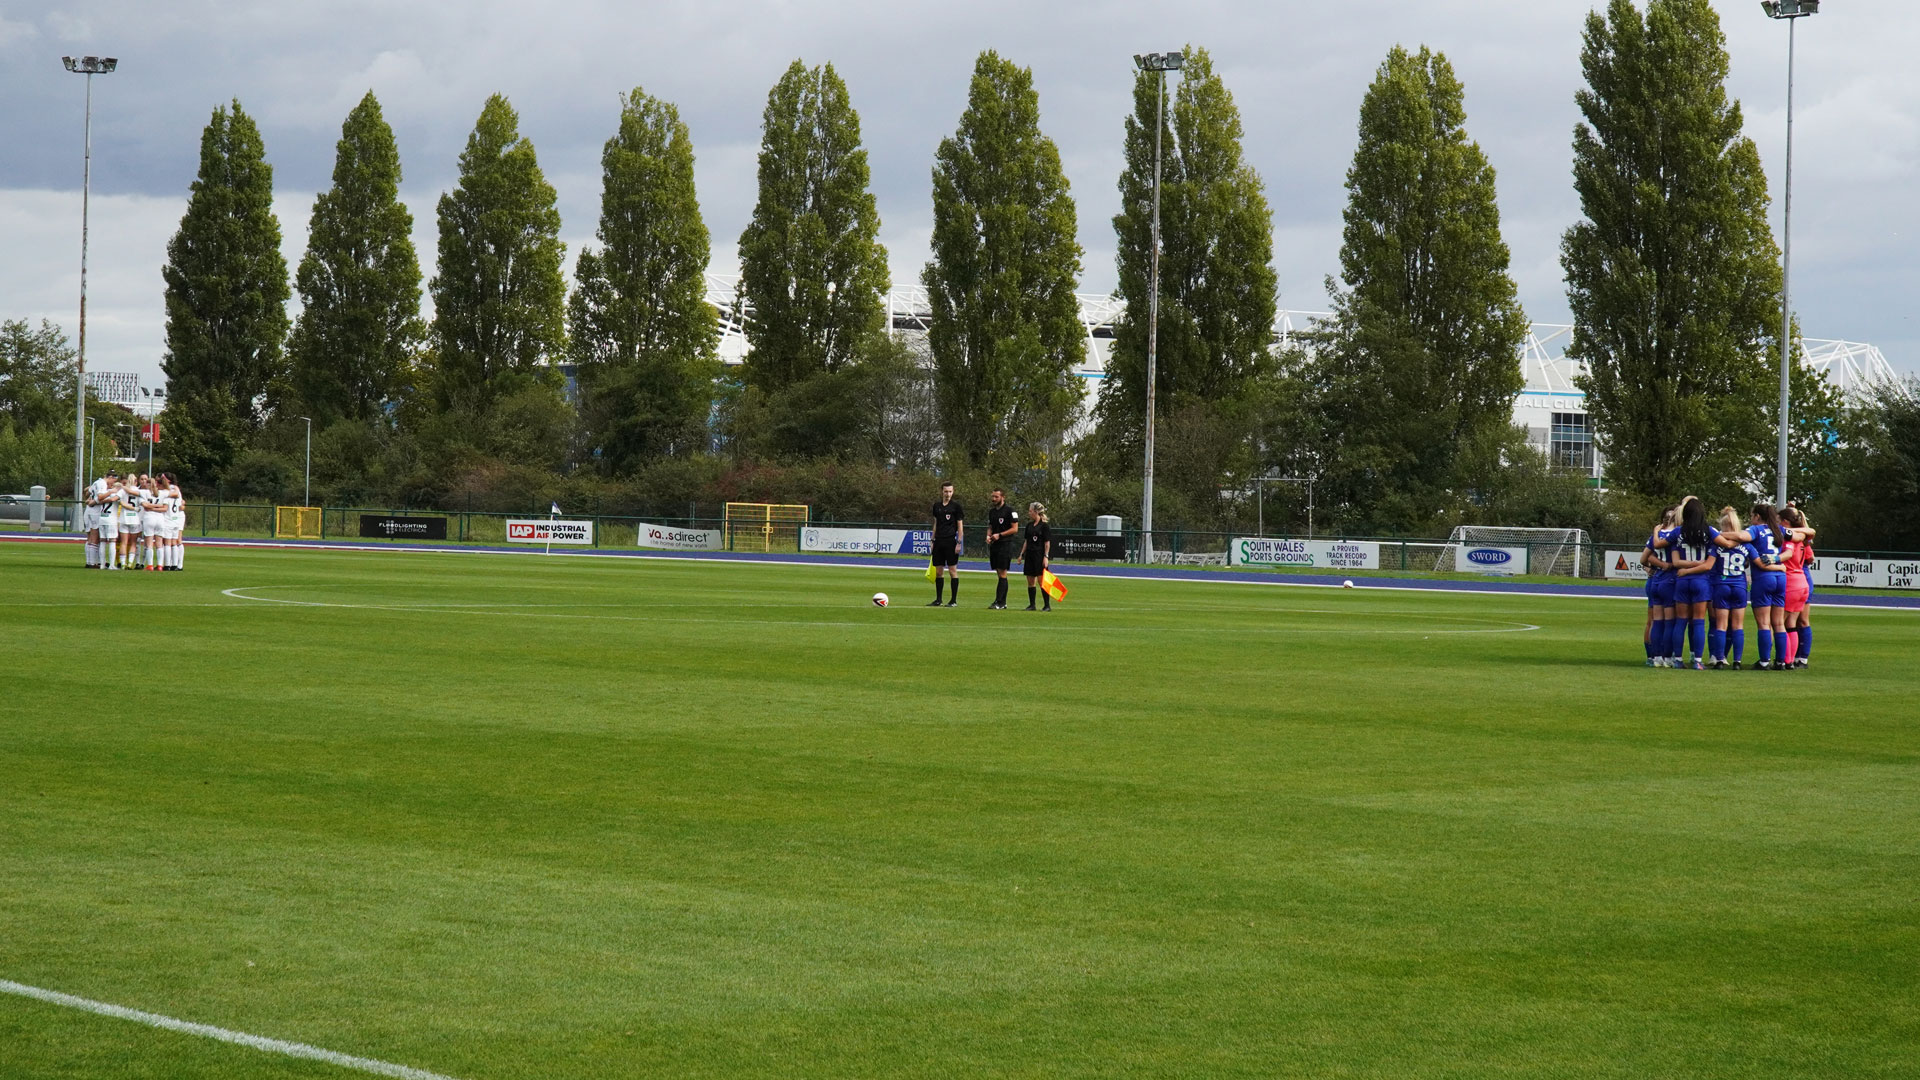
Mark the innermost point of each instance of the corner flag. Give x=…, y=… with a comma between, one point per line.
x=556, y=509
x=1053, y=586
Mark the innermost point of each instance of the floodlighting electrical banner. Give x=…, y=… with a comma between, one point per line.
x=868, y=541
x=1328, y=554
x=545, y=531
x=1625, y=566
x=677, y=539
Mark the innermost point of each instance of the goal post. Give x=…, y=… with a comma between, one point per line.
x=764, y=523
x=296, y=522
x=1552, y=552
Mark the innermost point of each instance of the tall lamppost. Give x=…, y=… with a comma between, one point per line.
x=88, y=66
x=306, y=499
x=1792, y=11
x=1159, y=64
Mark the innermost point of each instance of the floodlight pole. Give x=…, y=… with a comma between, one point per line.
x=306, y=498
x=1792, y=11
x=1159, y=64
x=88, y=66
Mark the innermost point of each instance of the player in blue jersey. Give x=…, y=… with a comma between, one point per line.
x=1766, y=534
x=1692, y=545
x=1730, y=595
x=1659, y=590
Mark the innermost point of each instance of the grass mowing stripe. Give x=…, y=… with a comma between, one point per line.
x=208, y=1031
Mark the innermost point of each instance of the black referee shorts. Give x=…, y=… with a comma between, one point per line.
x=1000, y=554
x=946, y=552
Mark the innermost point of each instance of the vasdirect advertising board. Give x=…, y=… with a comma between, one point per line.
x=674, y=538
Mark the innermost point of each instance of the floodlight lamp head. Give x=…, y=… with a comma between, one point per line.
x=90, y=65
x=1166, y=61
x=1790, y=9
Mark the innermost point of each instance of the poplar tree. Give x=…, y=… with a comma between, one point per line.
x=1005, y=332
x=498, y=295
x=359, y=327
x=643, y=334
x=1421, y=362
x=1673, y=276
x=226, y=295
x=1218, y=289
x=812, y=269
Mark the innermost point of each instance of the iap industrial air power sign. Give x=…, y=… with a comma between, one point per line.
x=543, y=531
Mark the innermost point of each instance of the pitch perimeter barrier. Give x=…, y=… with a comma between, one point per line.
x=1600, y=560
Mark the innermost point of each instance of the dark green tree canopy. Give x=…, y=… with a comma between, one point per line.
x=1421, y=361
x=1006, y=330
x=36, y=373
x=1218, y=289
x=226, y=279
x=498, y=295
x=812, y=269
x=1673, y=275
x=642, y=331
x=354, y=343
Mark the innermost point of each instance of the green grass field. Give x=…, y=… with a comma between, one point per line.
x=508, y=817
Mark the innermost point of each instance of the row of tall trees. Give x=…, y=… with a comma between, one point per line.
x=1400, y=405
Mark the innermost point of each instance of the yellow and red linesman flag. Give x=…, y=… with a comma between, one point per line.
x=1053, y=586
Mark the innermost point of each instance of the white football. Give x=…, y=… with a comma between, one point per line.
x=879, y=599
x=1346, y=584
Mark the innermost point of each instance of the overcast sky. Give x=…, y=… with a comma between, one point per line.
x=1297, y=71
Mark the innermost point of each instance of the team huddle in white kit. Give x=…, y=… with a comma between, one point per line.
x=135, y=523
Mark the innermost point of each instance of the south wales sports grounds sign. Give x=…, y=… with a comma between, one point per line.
x=1324, y=554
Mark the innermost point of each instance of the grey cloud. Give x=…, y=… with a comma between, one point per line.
x=1297, y=71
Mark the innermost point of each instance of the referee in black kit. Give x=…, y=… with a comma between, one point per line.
x=948, y=522
x=1003, y=524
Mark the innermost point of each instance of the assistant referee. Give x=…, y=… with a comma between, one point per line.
x=1003, y=526
x=948, y=521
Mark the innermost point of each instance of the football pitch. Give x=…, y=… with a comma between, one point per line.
x=498, y=817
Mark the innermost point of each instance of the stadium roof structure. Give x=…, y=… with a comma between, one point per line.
x=1852, y=366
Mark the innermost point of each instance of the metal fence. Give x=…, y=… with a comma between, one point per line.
x=1404, y=555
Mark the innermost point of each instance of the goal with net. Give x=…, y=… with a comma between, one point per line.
x=1546, y=551
x=296, y=522
x=765, y=525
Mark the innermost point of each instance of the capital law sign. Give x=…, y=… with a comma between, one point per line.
x=544, y=531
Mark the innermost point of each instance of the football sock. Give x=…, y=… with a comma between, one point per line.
x=1657, y=639
x=1779, y=646
x=1697, y=637
x=1766, y=646
x=939, y=588
x=1806, y=642
x=1793, y=645
x=1676, y=637
x=1739, y=644
x=1032, y=595
x=953, y=591
x=1717, y=642
x=93, y=554
x=1649, y=643
x=1000, y=594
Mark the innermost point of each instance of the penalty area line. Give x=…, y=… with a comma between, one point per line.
x=207, y=1031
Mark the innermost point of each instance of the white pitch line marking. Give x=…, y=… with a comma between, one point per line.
x=1509, y=627
x=238, y=1038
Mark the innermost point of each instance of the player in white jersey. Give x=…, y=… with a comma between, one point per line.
x=176, y=525
x=153, y=510
x=131, y=496
x=96, y=491
x=109, y=523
